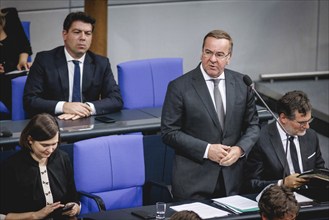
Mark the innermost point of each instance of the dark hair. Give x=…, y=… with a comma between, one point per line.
x=185, y=215
x=277, y=201
x=219, y=34
x=40, y=128
x=78, y=16
x=292, y=101
x=2, y=19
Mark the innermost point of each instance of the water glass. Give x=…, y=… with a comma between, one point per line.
x=160, y=210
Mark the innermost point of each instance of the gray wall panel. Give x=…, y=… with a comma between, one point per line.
x=272, y=36
x=323, y=44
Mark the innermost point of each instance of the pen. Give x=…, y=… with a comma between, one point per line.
x=227, y=208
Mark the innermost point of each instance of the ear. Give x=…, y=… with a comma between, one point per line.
x=283, y=118
x=228, y=60
x=29, y=139
x=64, y=34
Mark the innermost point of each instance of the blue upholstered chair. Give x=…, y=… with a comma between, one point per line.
x=143, y=83
x=3, y=108
x=17, y=86
x=110, y=170
x=26, y=27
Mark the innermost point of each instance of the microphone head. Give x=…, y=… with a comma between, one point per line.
x=6, y=133
x=247, y=80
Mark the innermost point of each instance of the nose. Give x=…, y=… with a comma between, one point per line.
x=82, y=36
x=213, y=58
x=307, y=125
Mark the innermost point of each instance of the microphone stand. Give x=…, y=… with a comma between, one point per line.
x=277, y=120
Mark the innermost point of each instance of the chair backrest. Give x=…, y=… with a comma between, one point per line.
x=111, y=167
x=26, y=27
x=3, y=108
x=143, y=83
x=17, y=87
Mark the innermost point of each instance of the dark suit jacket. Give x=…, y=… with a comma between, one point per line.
x=21, y=185
x=48, y=82
x=190, y=122
x=267, y=159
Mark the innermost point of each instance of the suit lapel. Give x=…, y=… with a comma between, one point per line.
x=88, y=75
x=63, y=72
x=230, y=96
x=303, y=151
x=201, y=89
x=277, y=146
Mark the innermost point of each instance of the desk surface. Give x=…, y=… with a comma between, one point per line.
x=315, y=212
x=127, y=121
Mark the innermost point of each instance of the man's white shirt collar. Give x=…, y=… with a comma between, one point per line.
x=208, y=78
x=70, y=58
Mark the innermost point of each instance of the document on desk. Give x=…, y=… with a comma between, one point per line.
x=203, y=210
x=16, y=72
x=302, y=199
x=238, y=203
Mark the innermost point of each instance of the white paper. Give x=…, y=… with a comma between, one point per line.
x=261, y=193
x=203, y=210
x=238, y=202
x=15, y=72
x=300, y=198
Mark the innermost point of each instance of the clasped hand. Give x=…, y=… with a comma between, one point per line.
x=75, y=110
x=224, y=155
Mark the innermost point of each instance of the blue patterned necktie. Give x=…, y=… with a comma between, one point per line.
x=76, y=94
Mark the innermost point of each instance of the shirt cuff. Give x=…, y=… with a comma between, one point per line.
x=59, y=107
x=205, y=156
x=92, y=106
x=280, y=182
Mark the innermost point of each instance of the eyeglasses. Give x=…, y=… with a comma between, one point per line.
x=218, y=55
x=304, y=123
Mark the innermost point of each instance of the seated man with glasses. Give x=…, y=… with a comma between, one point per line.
x=284, y=151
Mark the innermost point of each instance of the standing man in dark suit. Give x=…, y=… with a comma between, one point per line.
x=210, y=139
x=268, y=162
x=71, y=81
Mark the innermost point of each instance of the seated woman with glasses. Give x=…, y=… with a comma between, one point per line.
x=37, y=182
x=285, y=149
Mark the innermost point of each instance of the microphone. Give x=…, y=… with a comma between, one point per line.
x=247, y=80
x=6, y=133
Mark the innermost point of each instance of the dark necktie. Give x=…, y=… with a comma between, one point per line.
x=76, y=97
x=219, y=103
x=293, y=154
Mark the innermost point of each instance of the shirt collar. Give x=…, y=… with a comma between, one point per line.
x=282, y=133
x=208, y=78
x=70, y=58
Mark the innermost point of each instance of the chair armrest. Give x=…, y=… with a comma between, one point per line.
x=99, y=201
x=164, y=193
